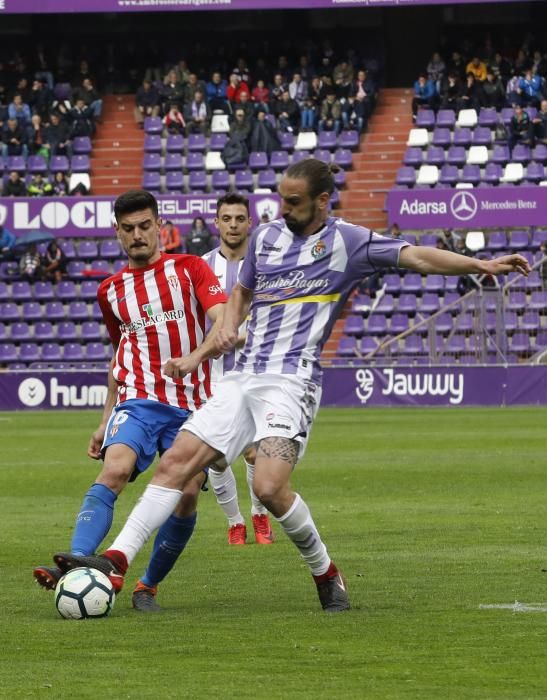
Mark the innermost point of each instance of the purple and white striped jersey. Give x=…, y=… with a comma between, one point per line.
x=300, y=285
x=227, y=273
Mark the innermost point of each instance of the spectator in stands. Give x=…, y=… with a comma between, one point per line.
x=235, y=87
x=360, y=102
x=57, y=136
x=40, y=99
x=246, y=105
x=54, y=262
x=522, y=62
x=37, y=138
x=512, y=95
x=91, y=98
x=424, y=94
x=242, y=69
x=192, y=86
x=331, y=113
x=298, y=90
x=520, y=128
x=38, y=187
x=174, y=120
x=15, y=186
x=147, y=101
x=477, y=68
x=199, y=240
x=23, y=88
x=276, y=91
x=170, y=238
x=240, y=128
x=539, y=64
x=470, y=93
x=456, y=65
x=305, y=68
x=260, y=96
x=539, y=123
x=83, y=72
x=501, y=67
x=7, y=241
x=529, y=89
x=182, y=72
x=493, y=93
x=435, y=70
x=342, y=77
x=81, y=118
x=283, y=68
x=20, y=111
x=30, y=264
x=60, y=185
x=287, y=113
x=172, y=91
x=197, y=115
x=216, y=93
x=263, y=136
x=14, y=139
x=450, y=92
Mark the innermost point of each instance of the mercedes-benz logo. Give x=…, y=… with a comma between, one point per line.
x=463, y=205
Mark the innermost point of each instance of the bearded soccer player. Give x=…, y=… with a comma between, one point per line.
x=294, y=281
x=155, y=309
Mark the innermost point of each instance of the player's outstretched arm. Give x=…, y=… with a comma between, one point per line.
x=432, y=261
x=176, y=368
x=96, y=440
x=237, y=309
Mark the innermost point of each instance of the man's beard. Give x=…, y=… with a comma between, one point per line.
x=297, y=227
x=232, y=244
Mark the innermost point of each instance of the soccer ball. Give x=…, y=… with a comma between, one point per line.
x=83, y=593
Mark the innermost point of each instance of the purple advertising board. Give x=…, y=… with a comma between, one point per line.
x=92, y=216
x=482, y=207
x=350, y=387
x=61, y=6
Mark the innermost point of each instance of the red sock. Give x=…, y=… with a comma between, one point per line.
x=118, y=558
x=331, y=572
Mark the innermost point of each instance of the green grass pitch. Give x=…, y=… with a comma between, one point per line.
x=429, y=513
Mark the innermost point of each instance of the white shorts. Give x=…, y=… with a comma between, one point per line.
x=246, y=408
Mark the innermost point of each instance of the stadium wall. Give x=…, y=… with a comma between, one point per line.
x=343, y=387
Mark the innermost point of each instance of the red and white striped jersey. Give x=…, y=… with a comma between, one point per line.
x=156, y=313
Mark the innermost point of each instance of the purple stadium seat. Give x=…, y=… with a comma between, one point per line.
x=68, y=248
x=520, y=343
x=541, y=339
x=435, y=156
x=530, y=321
x=392, y=283
x=196, y=143
x=413, y=156
x=448, y=174
x=54, y=311
x=521, y=153
x=91, y=330
x=407, y=304
x=174, y=143
x=3, y=331
x=266, y=178
x=3, y=290
x=429, y=239
x=244, y=179
x=535, y=172
x=220, y=179
x=173, y=162
x=343, y=157
x=406, y=175
x=507, y=115
x=482, y=136
x=96, y=313
x=20, y=331
x=43, y=330
x=516, y=301
x=335, y=199
x=174, y=181
x=434, y=283
x=462, y=137
x=73, y=352
x=51, y=352
x=151, y=162
x=58, y=164
x=279, y=160
x=412, y=283
x=386, y=305
x=110, y=250
x=77, y=311
x=538, y=301
x=533, y=282
x=425, y=119
x=340, y=179
x=258, y=160
x=456, y=155
x=8, y=352
x=492, y=173
x=37, y=164
x=195, y=161
x=346, y=347
x=413, y=345
x=151, y=181
x=488, y=117
x=539, y=153
x=441, y=137
x=88, y=290
x=471, y=173
x=32, y=311
x=75, y=269
x=322, y=154
x=287, y=141
x=297, y=156
x=497, y=240
x=430, y=303
x=500, y=154
x=197, y=181
x=43, y=291
x=21, y=291
x=100, y=269
x=349, y=139
x=96, y=351
x=532, y=112
x=518, y=240
x=376, y=325
x=354, y=326
x=16, y=163
x=81, y=145
x=367, y=345
x=67, y=331
x=456, y=345
x=327, y=140
x=153, y=125
x=399, y=324
x=446, y=118
x=218, y=141
x=80, y=164
x=538, y=238
x=29, y=352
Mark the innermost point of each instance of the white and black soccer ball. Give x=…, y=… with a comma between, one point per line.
x=83, y=593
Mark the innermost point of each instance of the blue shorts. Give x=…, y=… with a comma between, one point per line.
x=146, y=427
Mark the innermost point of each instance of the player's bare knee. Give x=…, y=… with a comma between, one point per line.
x=118, y=467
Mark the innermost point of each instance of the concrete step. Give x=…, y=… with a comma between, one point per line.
x=118, y=159
x=368, y=199
x=125, y=181
x=119, y=141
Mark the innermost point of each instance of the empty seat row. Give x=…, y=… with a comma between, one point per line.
x=486, y=117
x=51, y=310
x=43, y=331
x=37, y=164
x=32, y=352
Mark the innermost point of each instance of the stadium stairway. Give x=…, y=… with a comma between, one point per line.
x=375, y=163
x=116, y=161
x=374, y=170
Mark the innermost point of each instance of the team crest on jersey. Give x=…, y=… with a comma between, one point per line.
x=173, y=281
x=147, y=308
x=318, y=250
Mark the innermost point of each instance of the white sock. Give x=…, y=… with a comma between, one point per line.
x=257, y=508
x=225, y=490
x=152, y=510
x=298, y=525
